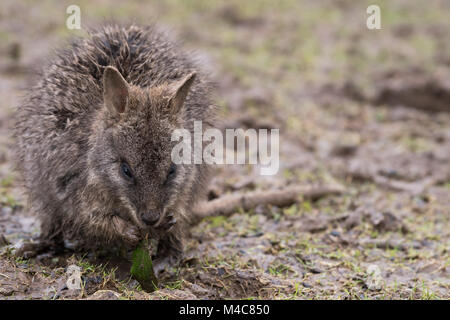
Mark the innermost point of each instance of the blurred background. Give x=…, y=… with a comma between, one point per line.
x=368, y=109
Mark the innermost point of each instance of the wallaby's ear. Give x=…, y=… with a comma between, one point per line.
x=115, y=91
x=179, y=91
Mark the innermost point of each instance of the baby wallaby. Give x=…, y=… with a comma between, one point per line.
x=93, y=141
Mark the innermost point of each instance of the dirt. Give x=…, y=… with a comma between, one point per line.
x=368, y=109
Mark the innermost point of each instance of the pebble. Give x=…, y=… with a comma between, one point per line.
x=374, y=279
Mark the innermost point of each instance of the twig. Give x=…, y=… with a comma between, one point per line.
x=229, y=204
x=387, y=244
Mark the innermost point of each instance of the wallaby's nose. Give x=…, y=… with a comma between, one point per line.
x=150, y=217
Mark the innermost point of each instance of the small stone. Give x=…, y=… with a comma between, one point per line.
x=6, y=291
x=315, y=270
x=387, y=221
x=104, y=295
x=335, y=233
x=374, y=279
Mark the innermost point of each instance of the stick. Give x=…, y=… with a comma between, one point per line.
x=229, y=204
x=387, y=244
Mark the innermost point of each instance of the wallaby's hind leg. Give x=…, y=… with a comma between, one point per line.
x=50, y=241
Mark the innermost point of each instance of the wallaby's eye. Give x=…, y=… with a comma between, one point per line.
x=126, y=171
x=172, y=171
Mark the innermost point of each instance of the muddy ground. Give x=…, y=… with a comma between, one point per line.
x=369, y=109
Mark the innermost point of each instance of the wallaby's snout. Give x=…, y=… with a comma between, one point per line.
x=150, y=217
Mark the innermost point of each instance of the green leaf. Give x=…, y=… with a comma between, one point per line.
x=142, y=268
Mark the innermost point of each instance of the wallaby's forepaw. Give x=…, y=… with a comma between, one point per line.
x=165, y=224
x=168, y=222
x=126, y=230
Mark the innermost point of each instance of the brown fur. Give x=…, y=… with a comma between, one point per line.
x=70, y=142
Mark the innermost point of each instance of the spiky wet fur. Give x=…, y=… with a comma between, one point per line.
x=66, y=159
